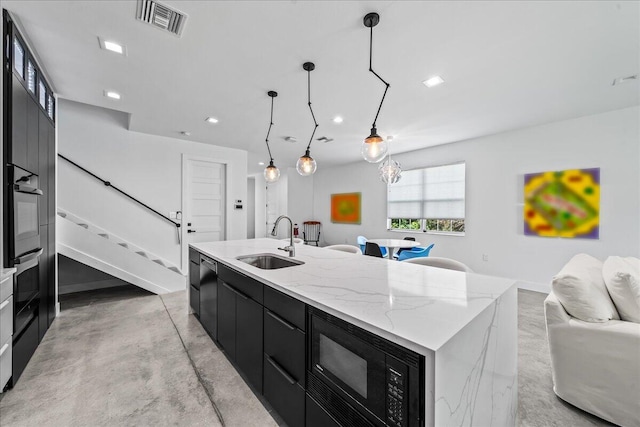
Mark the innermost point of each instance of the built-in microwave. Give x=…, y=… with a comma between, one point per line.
x=361, y=379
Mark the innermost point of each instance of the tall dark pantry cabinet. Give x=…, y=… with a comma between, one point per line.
x=29, y=207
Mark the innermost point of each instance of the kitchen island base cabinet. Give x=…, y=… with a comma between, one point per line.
x=240, y=322
x=249, y=339
x=283, y=393
x=209, y=296
x=227, y=319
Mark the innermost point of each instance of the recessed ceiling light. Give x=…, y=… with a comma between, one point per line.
x=111, y=94
x=211, y=120
x=433, y=81
x=186, y=133
x=338, y=119
x=112, y=46
x=260, y=163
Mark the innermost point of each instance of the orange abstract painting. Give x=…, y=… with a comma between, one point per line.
x=345, y=208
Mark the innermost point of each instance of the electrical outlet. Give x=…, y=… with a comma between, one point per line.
x=485, y=257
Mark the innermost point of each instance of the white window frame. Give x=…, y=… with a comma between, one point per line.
x=423, y=221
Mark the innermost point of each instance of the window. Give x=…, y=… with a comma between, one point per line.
x=18, y=57
x=50, y=105
x=31, y=77
x=429, y=199
x=42, y=94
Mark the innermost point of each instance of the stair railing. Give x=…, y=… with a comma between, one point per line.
x=108, y=184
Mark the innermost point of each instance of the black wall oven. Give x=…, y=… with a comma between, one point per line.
x=22, y=215
x=360, y=379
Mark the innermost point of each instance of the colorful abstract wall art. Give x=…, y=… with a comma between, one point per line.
x=562, y=204
x=345, y=208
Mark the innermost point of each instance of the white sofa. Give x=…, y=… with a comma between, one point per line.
x=596, y=363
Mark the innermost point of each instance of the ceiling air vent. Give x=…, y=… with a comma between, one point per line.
x=161, y=16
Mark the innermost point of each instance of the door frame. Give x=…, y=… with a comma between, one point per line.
x=184, y=248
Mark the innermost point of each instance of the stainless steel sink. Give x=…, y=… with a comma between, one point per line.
x=269, y=261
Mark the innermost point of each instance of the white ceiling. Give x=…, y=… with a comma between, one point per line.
x=506, y=65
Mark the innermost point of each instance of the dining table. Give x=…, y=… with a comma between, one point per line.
x=393, y=244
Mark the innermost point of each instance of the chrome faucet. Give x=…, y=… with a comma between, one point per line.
x=291, y=249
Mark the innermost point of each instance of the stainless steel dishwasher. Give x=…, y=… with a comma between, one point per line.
x=209, y=295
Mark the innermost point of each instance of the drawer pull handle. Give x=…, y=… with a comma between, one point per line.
x=4, y=304
x=279, y=319
x=211, y=266
x=240, y=294
x=4, y=348
x=280, y=369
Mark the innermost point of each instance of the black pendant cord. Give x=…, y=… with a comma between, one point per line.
x=376, y=74
x=272, y=94
x=309, y=68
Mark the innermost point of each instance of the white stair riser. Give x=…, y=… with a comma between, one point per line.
x=98, y=252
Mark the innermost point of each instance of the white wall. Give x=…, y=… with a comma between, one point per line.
x=250, y=206
x=300, y=198
x=494, y=179
x=146, y=166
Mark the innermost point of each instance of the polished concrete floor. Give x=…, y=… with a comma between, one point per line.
x=125, y=357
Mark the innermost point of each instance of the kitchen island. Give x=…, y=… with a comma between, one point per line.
x=463, y=325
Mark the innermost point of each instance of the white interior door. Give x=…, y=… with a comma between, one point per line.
x=203, y=202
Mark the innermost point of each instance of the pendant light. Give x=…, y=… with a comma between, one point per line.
x=374, y=147
x=271, y=172
x=306, y=165
x=390, y=170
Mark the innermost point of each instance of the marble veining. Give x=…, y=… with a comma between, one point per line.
x=476, y=381
x=418, y=307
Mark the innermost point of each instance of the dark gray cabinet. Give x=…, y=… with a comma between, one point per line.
x=227, y=319
x=261, y=330
x=249, y=339
x=194, y=281
x=240, y=322
x=285, y=355
x=209, y=296
x=43, y=279
x=19, y=99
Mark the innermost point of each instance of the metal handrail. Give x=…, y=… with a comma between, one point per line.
x=108, y=184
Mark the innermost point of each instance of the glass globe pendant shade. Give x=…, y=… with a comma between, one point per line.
x=271, y=173
x=374, y=148
x=390, y=171
x=306, y=165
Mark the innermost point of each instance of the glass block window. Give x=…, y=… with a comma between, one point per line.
x=31, y=77
x=50, y=105
x=18, y=57
x=42, y=94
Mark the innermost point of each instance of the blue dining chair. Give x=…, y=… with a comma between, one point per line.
x=362, y=241
x=416, y=252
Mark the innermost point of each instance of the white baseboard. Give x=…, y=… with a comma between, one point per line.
x=536, y=287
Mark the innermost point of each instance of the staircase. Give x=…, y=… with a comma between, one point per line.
x=91, y=245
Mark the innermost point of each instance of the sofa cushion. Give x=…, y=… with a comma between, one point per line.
x=580, y=289
x=622, y=278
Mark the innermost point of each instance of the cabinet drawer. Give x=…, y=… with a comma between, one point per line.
x=194, y=256
x=285, y=344
x=287, y=398
x=288, y=308
x=6, y=320
x=6, y=360
x=244, y=284
x=194, y=274
x=194, y=300
x=6, y=288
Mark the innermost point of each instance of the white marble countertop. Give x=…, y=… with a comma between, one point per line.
x=6, y=272
x=413, y=305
